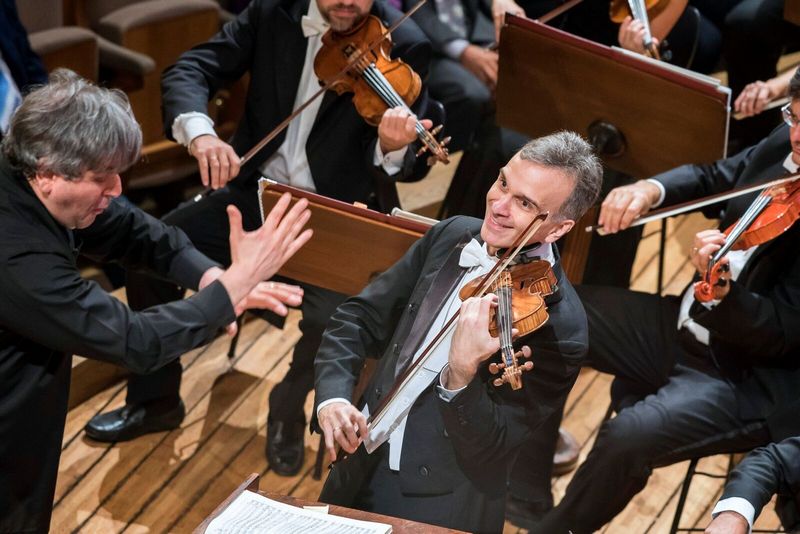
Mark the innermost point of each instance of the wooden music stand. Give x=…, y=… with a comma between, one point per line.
x=351, y=245
x=550, y=80
x=399, y=526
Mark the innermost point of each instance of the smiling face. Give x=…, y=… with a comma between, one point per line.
x=343, y=15
x=77, y=203
x=523, y=190
x=794, y=131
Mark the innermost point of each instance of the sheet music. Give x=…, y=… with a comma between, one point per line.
x=254, y=513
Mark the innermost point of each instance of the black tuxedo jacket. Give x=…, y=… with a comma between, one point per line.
x=755, y=330
x=774, y=469
x=478, y=15
x=460, y=450
x=267, y=41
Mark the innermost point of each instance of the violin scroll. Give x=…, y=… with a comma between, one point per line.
x=512, y=374
x=704, y=289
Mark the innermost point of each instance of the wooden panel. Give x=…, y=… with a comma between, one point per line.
x=347, y=250
x=550, y=80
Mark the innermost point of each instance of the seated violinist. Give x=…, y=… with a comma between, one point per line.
x=692, y=29
x=328, y=149
x=711, y=377
x=445, y=458
x=767, y=471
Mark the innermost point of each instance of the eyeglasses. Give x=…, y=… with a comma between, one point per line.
x=789, y=118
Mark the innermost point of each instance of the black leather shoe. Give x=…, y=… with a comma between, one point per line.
x=132, y=421
x=285, y=447
x=525, y=514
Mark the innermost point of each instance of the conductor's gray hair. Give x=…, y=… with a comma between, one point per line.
x=570, y=153
x=71, y=126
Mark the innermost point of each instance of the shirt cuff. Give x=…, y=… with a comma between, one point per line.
x=738, y=505
x=187, y=126
x=446, y=394
x=455, y=48
x=392, y=162
x=331, y=401
x=662, y=194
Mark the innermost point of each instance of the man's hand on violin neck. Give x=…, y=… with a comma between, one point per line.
x=217, y=161
x=342, y=423
x=471, y=343
x=704, y=246
x=398, y=128
x=625, y=204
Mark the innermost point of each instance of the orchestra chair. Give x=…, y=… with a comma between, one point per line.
x=624, y=394
x=79, y=49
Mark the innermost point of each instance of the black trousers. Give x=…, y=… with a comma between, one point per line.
x=466, y=99
x=206, y=224
x=686, y=409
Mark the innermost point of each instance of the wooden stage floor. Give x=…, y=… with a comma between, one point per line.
x=170, y=481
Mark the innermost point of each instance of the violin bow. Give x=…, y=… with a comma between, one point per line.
x=485, y=284
x=324, y=87
x=663, y=213
x=327, y=85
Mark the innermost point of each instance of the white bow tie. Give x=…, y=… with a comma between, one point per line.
x=313, y=26
x=475, y=254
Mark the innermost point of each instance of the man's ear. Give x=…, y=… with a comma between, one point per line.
x=44, y=182
x=559, y=230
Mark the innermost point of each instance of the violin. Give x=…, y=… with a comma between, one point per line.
x=640, y=10
x=772, y=212
x=520, y=291
x=377, y=81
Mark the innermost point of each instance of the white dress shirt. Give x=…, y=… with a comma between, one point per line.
x=476, y=258
x=289, y=164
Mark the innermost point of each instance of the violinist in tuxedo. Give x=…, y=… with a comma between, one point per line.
x=445, y=460
x=329, y=149
x=710, y=377
x=767, y=471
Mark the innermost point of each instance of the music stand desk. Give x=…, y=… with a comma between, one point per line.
x=399, y=526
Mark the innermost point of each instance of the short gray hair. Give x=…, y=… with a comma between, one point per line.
x=570, y=153
x=69, y=127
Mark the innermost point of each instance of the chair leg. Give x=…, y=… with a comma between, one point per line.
x=235, y=340
x=687, y=481
x=317, y=474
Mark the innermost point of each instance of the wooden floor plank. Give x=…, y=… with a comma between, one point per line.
x=141, y=486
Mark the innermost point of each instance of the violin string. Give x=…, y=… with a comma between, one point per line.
x=386, y=91
x=744, y=222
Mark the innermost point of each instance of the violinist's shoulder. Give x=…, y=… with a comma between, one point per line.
x=458, y=225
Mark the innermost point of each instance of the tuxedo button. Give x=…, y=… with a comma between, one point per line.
x=377, y=392
x=424, y=471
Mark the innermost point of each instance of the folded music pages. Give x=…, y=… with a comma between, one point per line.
x=255, y=514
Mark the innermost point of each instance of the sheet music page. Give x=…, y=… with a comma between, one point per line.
x=254, y=513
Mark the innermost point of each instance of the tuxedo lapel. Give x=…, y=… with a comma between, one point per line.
x=289, y=56
x=436, y=295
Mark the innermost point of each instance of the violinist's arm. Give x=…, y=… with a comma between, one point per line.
x=364, y=325
x=485, y=429
x=402, y=165
x=758, y=326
